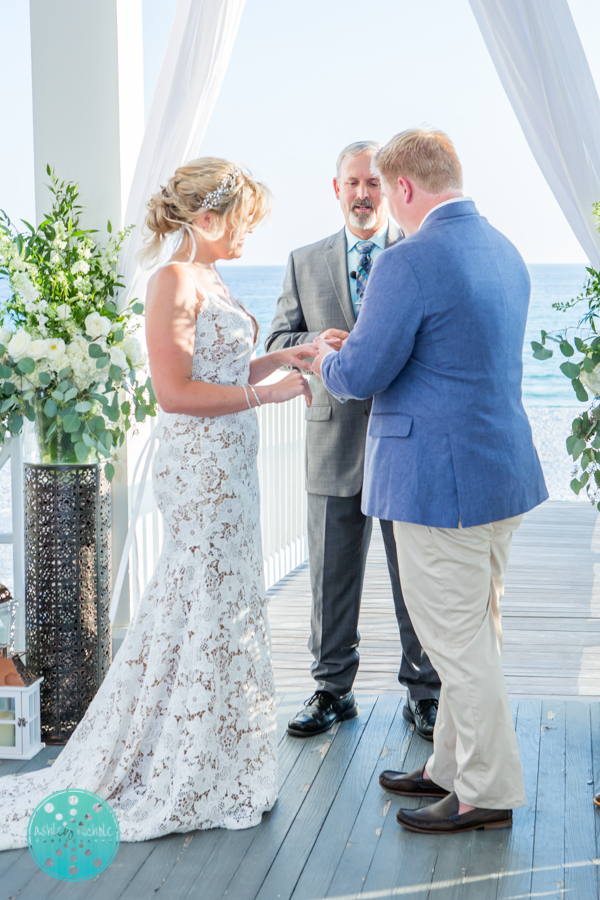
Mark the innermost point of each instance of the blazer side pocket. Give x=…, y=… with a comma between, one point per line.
x=390, y=425
x=318, y=413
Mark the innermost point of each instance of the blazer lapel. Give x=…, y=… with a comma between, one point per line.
x=336, y=259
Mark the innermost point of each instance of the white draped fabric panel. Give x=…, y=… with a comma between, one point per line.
x=539, y=57
x=196, y=59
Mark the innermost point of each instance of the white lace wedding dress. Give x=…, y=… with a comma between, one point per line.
x=181, y=734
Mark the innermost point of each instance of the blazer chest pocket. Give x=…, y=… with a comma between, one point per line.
x=390, y=425
x=318, y=413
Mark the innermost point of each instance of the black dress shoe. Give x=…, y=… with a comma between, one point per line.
x=410, y=785
x=443, y=818
x=321, y=711
x=423, y=714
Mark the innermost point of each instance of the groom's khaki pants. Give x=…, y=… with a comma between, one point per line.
x=453, y=581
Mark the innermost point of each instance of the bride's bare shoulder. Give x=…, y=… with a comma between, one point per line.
x=172, y=285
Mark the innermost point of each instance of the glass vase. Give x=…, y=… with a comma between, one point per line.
x=46, y=445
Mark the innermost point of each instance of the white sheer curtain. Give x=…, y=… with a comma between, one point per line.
x=542, y=65
x=196, y=59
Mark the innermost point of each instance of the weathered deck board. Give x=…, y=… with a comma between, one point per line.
x=333, y=832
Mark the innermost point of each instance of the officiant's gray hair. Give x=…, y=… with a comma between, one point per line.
x=355, y=149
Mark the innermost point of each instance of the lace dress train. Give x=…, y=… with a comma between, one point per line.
x=181, y=734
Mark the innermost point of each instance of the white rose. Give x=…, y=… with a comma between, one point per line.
x=118, y=358
x=63, y=311
x=56, y=349
x=97, y=325
x=18, y=345
x=38, y=349
x=5, y=336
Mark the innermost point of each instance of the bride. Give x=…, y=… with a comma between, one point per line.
x=181, y=734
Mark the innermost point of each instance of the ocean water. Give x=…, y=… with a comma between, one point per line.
x=258, y=288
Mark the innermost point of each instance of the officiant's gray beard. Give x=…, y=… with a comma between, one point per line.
x=363, y=220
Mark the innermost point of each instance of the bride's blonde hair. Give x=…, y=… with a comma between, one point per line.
x=208, y=184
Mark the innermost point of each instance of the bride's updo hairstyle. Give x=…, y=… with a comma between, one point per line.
x=204, y=185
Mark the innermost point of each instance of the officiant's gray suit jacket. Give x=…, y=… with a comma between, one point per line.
x=316, y=296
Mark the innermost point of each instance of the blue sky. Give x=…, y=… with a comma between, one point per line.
x=306, y=79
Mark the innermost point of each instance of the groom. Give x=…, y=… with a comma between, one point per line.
x=322, y=293
x=450, y=459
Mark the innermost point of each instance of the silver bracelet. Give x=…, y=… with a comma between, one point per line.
x=256, y=395
x=247, y=397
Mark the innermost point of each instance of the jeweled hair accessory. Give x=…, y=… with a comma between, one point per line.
x=214, y=198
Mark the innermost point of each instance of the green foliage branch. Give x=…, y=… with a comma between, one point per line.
x=69, y=359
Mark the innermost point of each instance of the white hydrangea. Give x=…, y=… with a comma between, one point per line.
x=591, y=380
x=18, y=346
x=133, y=351
x=97, y=325
x=30, y=294
x=117, y=356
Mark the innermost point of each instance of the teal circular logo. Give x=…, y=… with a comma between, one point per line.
x=73, y=835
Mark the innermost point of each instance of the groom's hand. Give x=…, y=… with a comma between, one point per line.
x=324, y=347
x=335, y=337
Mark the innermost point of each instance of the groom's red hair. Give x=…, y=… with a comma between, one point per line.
x=423, y=155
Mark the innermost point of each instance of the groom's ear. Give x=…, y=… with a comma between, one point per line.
x=336, y=187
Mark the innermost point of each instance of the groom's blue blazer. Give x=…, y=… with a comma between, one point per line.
x=439, y=344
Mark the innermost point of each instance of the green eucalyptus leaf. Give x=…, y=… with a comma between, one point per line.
x=584, y=479
x=535, y=345
x=64, y=372
x=140, y=412
x=102, y=362
x=95, y=351
x=97, y=424
x=88, y=440
x=579, y=344
x=115, y=372
x=50, y=408
x=83, y=406
x=58, y=395
x=29, y=412
x=579, y=389
x=109, y=471
x=566, y=349
x=26, y=366
x=64, y=385
x=585, y=459
x=575, y=486
x=570, y=370
x=5, y=371
x=81, y=451
x=126, y=407
x=14, y=422
x=7, y=404
x=543, y=354
x=51, y=430
x=45, y=377
x=71, y=393
x=138, y=308
x=3, y=349
x=71, y=423
x=578, y=448
x=588, y=364
x=118, y=336
x=110, y=307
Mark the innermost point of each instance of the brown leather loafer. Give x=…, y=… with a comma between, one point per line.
x=443, y=818
x=411, y=784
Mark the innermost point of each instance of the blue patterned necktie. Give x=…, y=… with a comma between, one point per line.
x=363, y=271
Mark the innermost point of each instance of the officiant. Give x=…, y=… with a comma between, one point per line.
x=322, y=295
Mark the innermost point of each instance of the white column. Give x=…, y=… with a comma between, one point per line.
x=88, y=120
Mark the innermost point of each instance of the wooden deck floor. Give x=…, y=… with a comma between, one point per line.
x=551, y=613
x=333, y=831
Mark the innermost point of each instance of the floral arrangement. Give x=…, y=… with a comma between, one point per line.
x=69, y=359
x=583, y=444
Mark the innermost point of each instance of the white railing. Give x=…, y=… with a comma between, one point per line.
x=12, y=453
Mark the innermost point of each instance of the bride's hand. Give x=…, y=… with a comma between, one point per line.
x=293, y=385
x=297, y=357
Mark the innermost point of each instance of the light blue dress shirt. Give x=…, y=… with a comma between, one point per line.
x=353, y=257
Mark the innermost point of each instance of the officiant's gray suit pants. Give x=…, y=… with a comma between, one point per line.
x=338, y=542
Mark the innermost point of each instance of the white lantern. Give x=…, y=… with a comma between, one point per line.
x=20, y=723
